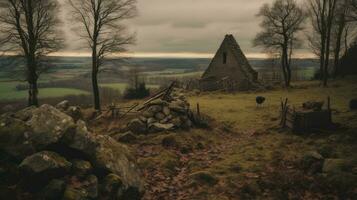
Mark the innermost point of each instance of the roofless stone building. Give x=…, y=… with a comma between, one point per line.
x=229, y=69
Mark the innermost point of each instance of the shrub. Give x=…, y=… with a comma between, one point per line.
x=137, y=93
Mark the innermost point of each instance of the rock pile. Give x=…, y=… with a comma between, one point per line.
x=170, y=113
x=45, y=154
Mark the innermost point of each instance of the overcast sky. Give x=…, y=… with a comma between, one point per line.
x=192, y=26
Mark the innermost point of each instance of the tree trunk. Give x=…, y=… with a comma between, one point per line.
x=283, y=65
x=341, y=28
x=95, y=79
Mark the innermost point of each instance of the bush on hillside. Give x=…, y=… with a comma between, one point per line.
x=137, y=93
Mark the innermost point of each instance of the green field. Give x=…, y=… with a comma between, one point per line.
x=122, y=86
x=8, y=92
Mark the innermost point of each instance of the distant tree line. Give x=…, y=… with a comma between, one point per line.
x=31, y=29
x=332, y=30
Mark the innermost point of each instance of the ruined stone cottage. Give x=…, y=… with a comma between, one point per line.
x=229, y=69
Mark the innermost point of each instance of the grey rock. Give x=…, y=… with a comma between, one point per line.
x=160, y=116
x=176, y=122
x=159, y=102
x=179, y=106
x=74, y=112
x=54, y=190
x=137, y=126
x=155, y=109
x=64, y=105
x=151, y=121
x=48, y=126
x=106, y=155
x=81, y=168
x=148, y=114
x=91, y=186
x=143, y=119
x=45, y=164
x=166, y=110
x=158, y=127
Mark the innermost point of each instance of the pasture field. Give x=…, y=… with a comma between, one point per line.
x=245, y=154
x=122, y=86
x=8, y=92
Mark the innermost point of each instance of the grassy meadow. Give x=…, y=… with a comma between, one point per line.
x=245, y=154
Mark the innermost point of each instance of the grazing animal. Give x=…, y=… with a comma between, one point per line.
x=260, y=100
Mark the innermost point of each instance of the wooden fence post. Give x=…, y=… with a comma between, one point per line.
x=198, y=109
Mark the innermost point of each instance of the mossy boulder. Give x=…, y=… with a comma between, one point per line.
x=33, y=129
x=14, y=135
x=106, y=155
x=81, y=168
x=45, y=164
x=74, y=193
x=54, y=190
x=137, y=126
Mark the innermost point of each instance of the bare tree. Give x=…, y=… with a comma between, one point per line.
x=322, y=13
x=281, y=23
x=29, y=28
x=101, y=27
x=353, y=11
x=340, y=31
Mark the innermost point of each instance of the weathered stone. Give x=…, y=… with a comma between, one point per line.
x=107, y=156
x=127, y=137
x=177, y=122
x=148, y=114
x=158, y=102
x=151, y=121
x=54, y=190
x=48, y=126
x=143, y=119
x=158, y=127
x=45, y=165
x=74, y=112
x=89, y=114
x=64, y=105
x=312, y=162
x=137, y=126
x=81, y=168
x=110, y=186
x=14, y=137
x=178, y=106
x=74, y=193
x=91, y=186
x=334, y=165
x=160, y=116
x=81, y=140
x=166, y=110
x=114, y=157
x=155, y=109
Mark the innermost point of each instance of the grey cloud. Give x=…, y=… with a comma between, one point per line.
x=191, y=25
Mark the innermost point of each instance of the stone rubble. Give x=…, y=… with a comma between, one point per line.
x=163, y=115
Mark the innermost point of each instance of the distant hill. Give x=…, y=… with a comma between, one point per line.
x=81, y=66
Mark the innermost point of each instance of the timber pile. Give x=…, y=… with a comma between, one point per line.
x=167, y=110
x=310, y=116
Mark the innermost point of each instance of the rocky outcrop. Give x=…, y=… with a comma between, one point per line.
x=60, y=159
